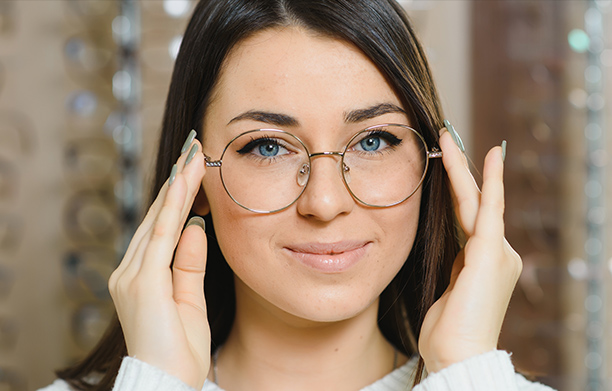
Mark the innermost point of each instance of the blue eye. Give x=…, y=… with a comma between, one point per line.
x=370, y=144
x=269, y=149
x=377, y=141
x=264, y=147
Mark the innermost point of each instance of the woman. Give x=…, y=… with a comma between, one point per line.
x=331, y=252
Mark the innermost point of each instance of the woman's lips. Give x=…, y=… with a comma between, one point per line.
x=329, y=257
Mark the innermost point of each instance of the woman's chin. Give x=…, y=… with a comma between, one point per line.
x=318, y=305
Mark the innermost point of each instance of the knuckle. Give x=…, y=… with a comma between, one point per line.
x=518, y=265
x=137, y=287
x=189, y=268
x=159, y=230
x=192, y=254
x=496, y=204
x=122, y=287
x=191, y=300
x=112, y=281
x=514, y=264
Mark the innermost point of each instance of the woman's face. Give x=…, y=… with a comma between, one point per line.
x=326, y=257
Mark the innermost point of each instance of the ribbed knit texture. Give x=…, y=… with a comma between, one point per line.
x=135, y=375
x=485, y=372
x=491, y=371
x=488, y=371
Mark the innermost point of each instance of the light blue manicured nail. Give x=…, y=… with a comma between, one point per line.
x=192, y=153
x=197, y=220
x=172, y=175
x=503, y=146
x=454, y=135
x=189, y=140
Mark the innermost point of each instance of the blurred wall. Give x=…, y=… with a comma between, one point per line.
x=444, y=27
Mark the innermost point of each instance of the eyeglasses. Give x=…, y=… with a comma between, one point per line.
x=86, y=271
x=91, y=217
x=267, y=170
x=91, y=161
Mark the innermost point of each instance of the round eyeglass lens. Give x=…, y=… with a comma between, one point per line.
x=265, y=170
x=384, y=165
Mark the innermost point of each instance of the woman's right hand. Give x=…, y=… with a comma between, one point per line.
x=161, y=308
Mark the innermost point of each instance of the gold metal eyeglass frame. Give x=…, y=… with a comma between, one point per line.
x=433, y=154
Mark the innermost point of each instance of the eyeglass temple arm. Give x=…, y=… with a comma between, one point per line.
x=212, y=163
x=435, y=153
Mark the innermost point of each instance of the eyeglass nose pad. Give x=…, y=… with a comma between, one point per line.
x=347, y=173
x=303, y=174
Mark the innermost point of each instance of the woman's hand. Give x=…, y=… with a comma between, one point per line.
x=467, y=319
x=161, y=309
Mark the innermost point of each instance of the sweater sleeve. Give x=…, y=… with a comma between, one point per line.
x=135, y=375
x=485, y=372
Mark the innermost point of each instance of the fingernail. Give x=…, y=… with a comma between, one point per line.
x=172, y=175
x=455, y=135
x=197, y=220
x=189, y=140
x=503, y=146
x=192, y=153
x=441, y=131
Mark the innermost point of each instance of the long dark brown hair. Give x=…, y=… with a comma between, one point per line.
x=381, y=29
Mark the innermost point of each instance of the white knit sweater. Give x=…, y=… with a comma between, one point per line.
x=486, y=372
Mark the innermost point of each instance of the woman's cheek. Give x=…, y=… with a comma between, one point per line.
x=247, y=241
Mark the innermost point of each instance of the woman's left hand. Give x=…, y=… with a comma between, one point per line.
x=466, y=321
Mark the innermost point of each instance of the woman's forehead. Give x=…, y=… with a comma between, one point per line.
x=294, y=71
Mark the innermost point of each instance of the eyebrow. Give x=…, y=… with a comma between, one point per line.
x=354, y=116
x=361, y=115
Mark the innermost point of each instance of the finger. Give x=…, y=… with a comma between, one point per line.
x=490, y=220
x=465, y=189
x=188, y=282
x=165, y=232
x=142, y=231
x=144, y=228
x=193, y=173
x=189, y=266
x=153, y=211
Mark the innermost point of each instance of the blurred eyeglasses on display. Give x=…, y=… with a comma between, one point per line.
x=17, y=136
x=91, y=9
x=90, y=216
x=91, y=161
x=86, y=271
x=11, y=231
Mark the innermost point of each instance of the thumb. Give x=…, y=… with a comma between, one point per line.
x=190, y=265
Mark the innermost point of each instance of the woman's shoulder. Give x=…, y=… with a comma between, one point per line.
x=526, y=385
x=134, y=375
x=489, y=371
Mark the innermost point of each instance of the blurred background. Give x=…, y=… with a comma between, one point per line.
x=82, y=89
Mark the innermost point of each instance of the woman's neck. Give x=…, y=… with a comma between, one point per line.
x=269, y=349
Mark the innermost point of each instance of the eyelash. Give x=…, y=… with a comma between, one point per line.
x=389, y=137
x=255, y=142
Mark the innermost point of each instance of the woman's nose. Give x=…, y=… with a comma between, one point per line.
x=325, y=196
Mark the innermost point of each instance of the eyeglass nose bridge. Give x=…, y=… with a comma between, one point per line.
x=304, y=173
x=345, y=168
x=329, y=153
